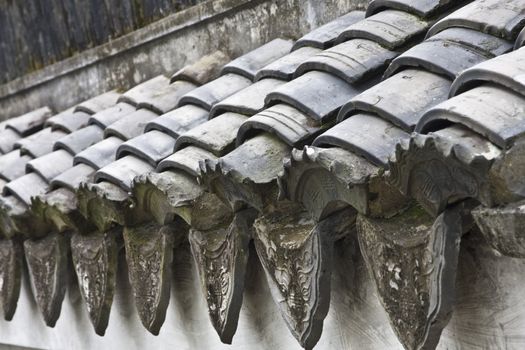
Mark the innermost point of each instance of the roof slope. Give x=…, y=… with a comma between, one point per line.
x=293, y=146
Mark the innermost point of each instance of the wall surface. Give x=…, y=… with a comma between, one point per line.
x=163, y=47
x=36, y=33
x=490, y=313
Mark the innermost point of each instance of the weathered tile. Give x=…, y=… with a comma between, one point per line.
x=151, y=146
x=422, y=8
x=100, y=154
x=390, y=28
x=216, y=135
x=289, y=124
x=390, y=100
x=284, y=68
x=351, y=61
x=248, y=101
x=365, y=135
x=131, y=125
x=325, y=36
x=51, y=164
x=79, y=140
x=481, y=110
x=122, y=171
x=179, y=120
x=506, y=70
x=317, y=94
x=248, y=64
x=502, y=18
x=204, y=70
x=215, y=91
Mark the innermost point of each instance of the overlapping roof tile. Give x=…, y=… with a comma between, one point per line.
x=258, y=160
x=216, y=150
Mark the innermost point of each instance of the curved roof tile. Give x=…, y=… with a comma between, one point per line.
x=152, y=146
x=248, y=101
x=179, y=120
x=365, y=135
x=216, y=136
x=421, y=8
x=215, y=91
x=351, y=61
x=285, y=67
x=248, y=64
x=317, y=94
x=502, y=18
x=326, y=35
x=496, y=113
x=507, y=70
x=389, y=28
x=79, y=140
x=390, y=100
x=450, y=52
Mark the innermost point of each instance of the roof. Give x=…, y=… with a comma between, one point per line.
x=307, y=138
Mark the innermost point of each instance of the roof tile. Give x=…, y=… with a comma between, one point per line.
x=390, y=100
x=108, y=116
x=289, y=124
x=502, y=18
x=72, y=177
x=179, y=120
x=448, y=54
x=325, y=36
x=80, y=140
x=98, y=103
x=217, y=90
x=68, y=121
x=389, y=28
x=351, y=61
x=507, y=70
x=13, y=165
x=422, y=8
x=167, y=98
x=365, y=135
x=131, y=125
x=25, y=187
x=8, y=137
x=247, y=65
x=284, y=68
x=317, y=94
x=30, y=122
x=122, y=171
x=100, y=154
x=217, y=135
x=151, y=146
x=40, y=143
x=481, y=109
x=187, y=159
x=51, y=164
x=247, y=101
x=143, y=91
x=204, y=70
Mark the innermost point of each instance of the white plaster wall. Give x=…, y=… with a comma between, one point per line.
x=490, y=313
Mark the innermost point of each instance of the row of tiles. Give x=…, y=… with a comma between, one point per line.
x=302, y=105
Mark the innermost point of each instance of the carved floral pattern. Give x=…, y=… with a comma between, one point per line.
x=11, y=255
x=149, y=254
x=95, y=260
x=413, y=262
x=221, y=257
x=433, y=174
x=47, y=263
x=293, y=267
x=296, y=254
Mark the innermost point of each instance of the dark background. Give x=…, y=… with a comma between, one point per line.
x=36, y=33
